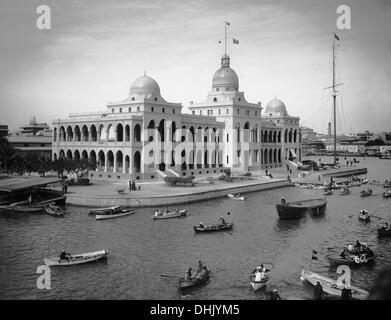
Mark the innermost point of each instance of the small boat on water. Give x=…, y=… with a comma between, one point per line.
x=260, y=276
x=186, y=284
x=214, y=227
x=384, y=232
x=76, y=258
x=103, y=210
x=376, y=183
x=159, y=214
x=23, y=207
x=114, y=214
x=387, y=194
x=366, y=193
x=328, y=192
x=54, y=210
x=331, y=287
x=297, y=209
x=364, y=216
x=345, y=191
x=353, y=256
x=235, y=196
x=387, y=184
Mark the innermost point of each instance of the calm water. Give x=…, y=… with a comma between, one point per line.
x=141, y=249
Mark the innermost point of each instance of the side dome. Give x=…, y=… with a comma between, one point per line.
x=145, y=85
x=276, y=106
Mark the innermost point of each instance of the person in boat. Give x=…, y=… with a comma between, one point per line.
x=221, y=221
x=189, y=275
x=350, y=247
x=202, y=273
x=358, y=245
x=283, y=201
x=344, y=253
x=274, y=295
x=346, y=294
x=64, y=255
x=318, y=291
x=30, y=199
x=202, y=225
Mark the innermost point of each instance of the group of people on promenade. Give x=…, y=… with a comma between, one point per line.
x=132, y=185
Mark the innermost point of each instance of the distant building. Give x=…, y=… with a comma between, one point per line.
x=32, y=141
x=347, y=148
x=3, y=130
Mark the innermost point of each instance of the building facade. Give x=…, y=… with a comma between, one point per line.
x=146, y=137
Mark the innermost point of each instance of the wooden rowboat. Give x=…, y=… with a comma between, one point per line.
x=259, y=279
x=172, y=214
x=22, y=208
x=383, y=232
x=186, y=284
x=331, y=287
x=114, y=214
x=235, y=197
x=214, y=227
x=366, y=193
x=345, y=191
x=76, y=258
x=387, y=194
x=356, y=260
x=54, y=210
x=104, y=210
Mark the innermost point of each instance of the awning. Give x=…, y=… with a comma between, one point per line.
x=12, y=183
x=293, y=153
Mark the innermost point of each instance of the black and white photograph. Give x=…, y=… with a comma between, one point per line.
x=194, y=151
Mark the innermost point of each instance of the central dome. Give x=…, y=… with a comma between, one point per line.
x=225, y=78
x=145, y=85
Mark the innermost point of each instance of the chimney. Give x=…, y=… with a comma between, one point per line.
x=329, y=129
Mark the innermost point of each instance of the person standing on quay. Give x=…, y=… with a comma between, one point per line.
x=130, y=185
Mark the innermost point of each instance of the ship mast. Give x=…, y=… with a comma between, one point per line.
x=334, y=107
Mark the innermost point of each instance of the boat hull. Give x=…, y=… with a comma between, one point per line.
x=335, y=260
x=103, y=210
x=298, y=209
x=76, y=259
x=188, y=284
x=114, y=215
x=214, y=228
x=331, y=287
x=180, y=214
x=22, y=209
x=381, y=232
x=54, y=212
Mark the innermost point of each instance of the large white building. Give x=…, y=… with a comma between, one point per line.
x=145, y=136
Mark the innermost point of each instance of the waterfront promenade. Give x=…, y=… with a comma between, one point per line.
x=158, y=193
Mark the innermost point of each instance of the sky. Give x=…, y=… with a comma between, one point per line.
x=95, y=49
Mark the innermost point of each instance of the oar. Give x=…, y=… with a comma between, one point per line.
x=168, y=276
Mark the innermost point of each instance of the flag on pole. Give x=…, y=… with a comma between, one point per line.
x=336, y=37
x=235, y=41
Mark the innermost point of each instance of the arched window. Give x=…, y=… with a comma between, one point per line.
x=137, y=133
